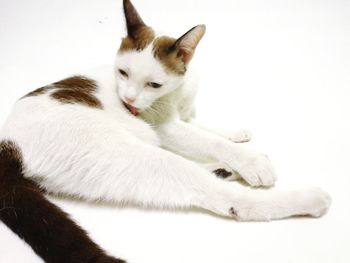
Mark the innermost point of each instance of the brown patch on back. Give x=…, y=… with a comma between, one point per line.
x=38, y=91
x=163, y=50
x=77, y=89
x=141, y=38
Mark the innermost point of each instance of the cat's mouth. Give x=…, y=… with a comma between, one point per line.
x=133, y=110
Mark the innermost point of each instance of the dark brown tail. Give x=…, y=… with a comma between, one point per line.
x=45, y=227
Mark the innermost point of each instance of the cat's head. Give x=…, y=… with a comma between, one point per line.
x=150, y=66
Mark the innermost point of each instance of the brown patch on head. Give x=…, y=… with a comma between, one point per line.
x=163, y=49
x=175, y=54
x=77, y=89
x=141, y=38
x=139, y=34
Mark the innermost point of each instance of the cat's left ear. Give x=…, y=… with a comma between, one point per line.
x=133, y=20
x=187, y=43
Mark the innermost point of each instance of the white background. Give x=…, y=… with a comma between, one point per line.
x=280, y=68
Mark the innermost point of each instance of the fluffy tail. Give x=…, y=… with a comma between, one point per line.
x=45, y=227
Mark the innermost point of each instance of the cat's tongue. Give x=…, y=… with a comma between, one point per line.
x=133, y=110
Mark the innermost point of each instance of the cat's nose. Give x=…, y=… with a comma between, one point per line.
x=129, y=100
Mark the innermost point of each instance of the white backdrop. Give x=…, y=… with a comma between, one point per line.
x=278, y=67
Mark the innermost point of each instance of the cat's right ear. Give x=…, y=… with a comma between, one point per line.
x=186, y=44
x=133, y=20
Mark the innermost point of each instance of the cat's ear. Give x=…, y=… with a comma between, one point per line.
x=133, y=20
x=187, y=43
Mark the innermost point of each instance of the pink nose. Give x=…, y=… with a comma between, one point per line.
x=129, y=100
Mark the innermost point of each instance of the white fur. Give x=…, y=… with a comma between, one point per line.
x=111, y=155
x=142, y=68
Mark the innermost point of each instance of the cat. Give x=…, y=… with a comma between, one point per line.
x=126, y=134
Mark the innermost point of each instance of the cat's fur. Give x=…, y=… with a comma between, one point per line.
x=114, y=135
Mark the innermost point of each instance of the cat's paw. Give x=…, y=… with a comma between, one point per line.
x=311, y=202
x=261, y=205
x=316, y=202
x=257, y=170
x=240, y=136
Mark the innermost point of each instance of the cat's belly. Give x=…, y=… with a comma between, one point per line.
x=72, y=141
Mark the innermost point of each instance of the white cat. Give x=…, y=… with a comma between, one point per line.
x=126, y=134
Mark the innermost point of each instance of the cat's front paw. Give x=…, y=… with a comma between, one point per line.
x=257, y=170
x=240, y=136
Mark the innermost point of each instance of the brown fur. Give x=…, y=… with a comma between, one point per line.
x=38, y=91
x=141, y=38
x=222, y=173
x=132, y=18
x=163, y=48
x=45, y=227
x=77, y=89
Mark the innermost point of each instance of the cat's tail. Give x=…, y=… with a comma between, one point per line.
x=45, y=227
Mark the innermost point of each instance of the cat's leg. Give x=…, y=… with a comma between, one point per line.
x=106, y=162
x=198, y=144
x=134, y=172
x=237, y=136
x=112, y=165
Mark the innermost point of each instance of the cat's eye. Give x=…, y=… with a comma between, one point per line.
x=154, y=85
x=123, y=73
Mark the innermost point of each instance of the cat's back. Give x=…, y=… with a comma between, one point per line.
x=78, y=94
x=72, y=117
x=91, y=89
